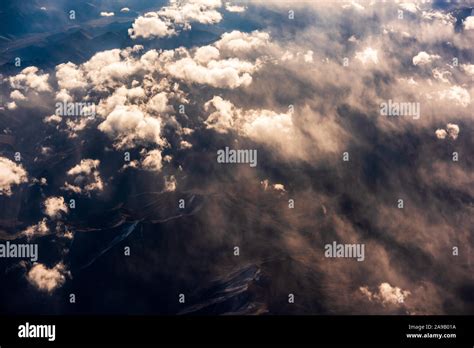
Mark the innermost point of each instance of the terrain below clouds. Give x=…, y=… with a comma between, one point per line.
x=207, y=156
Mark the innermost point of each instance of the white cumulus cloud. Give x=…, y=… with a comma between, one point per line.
x=54, y=207
x=47, y=279
x=10, y=174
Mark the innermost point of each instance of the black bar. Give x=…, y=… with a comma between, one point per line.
x=139, y=330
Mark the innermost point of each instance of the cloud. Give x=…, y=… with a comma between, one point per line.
x=240, y=88
x=69, y=77
x=409, y=6
x=308, y=56
x=234, y=8
x=10, y=174
x=469, y=23
x=128, y=126
x=178, y=15
x=86, y=178
x=369, y=55
x=441, y=133
x=227, y=73
x=125, y=10
x=261, y=125
x=468, y=68
x=445, y=18
x=457, y=94
x=354, y=5
x=54, y=207
x=237, y=42
x=205, y=54
x=222, y=119
x=47, y=279
x=424, y=58
x=386, y=294
x=109, y=69
x=158, y=103
x=452, y=130
x=277, y=187
x=151, y=25
x=17, y=95
x=37, y=230
x=186, y=12
x=269, y=127
x=107, y=14
x=152, y=160
x=170, y=183
x=30, y=80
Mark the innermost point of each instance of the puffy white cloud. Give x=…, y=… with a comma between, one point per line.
x=151, y=25
x=269, y=127
x=453, y=130
x=222, y=119
x=186, y=12
x=386, y=294
x=445, y=18
x=107, y=14
x=121, y=96
x=204, y=66
x=164, y=22
x=441, y=133
x=237, y=42
x=369, y=55
x=129, y=126
x=30, y=79
x=10, y=174
x=264, y=126
x=55, y=206
x=469, y=23
x=47, y=279
x=87, y=166
x=279, y=187
x=441, y=75
x=11, y=105
x=17, y=95
x=69, y=77
x=468, y=68
x=205, y=54
x=457, y=94
x=108, y=69
x=409, y=6
x=40, y=229
x=152, y=160
x=227, y=73
x=124, y=10
x=86, y=177
x=185, y=144
x=308, y=56
x=424, y=58
x=170, y=183
x=158, y=103
x=234, y=8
